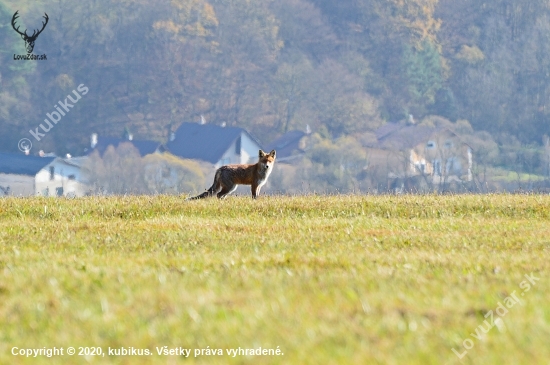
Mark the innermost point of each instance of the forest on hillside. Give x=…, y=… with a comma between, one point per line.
x=342, y=67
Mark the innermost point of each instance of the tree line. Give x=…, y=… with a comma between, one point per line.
x=272, y=66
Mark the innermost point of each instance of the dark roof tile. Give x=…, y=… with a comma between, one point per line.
x=207, y=142
x=386, y=129
x=19, y=164
x=144, y=147
x=407, y=137
x=286, y=144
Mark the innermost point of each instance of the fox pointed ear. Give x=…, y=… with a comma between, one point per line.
x=262, y=154
x=272, y=153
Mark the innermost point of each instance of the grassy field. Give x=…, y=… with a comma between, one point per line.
x=324, y=280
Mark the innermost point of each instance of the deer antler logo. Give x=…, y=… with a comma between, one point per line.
x=29, y=39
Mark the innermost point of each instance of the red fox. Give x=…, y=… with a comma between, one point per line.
x=228, y=177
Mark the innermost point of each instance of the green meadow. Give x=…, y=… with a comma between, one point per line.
x=294, y=280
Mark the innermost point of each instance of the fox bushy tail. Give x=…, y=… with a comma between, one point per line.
x=211, y=191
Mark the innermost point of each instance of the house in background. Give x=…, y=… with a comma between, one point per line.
x=435, y=154
x=218, y=145
x=100, y=144
x=290, y=146
x=22, y=175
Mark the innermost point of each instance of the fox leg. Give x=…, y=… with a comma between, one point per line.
x=255, y=190
x=226, y=190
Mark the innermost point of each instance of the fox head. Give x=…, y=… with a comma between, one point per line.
x=267, y=160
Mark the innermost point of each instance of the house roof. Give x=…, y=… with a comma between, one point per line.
x=75, y=161
x=407, y=137
x=386, y=129
x=20, y=164
x=207, y=142
x=286, y=144
x=144, y=147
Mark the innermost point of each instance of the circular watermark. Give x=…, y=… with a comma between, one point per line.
x=24, y=145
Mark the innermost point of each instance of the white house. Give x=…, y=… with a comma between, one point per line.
x=22, y=175
x=215, y=144
x=411, y=153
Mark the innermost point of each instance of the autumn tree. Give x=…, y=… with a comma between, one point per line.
x=122, y=170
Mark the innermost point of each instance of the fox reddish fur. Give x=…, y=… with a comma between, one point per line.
x=228, y=177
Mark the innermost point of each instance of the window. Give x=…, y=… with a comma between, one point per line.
x=72, y=177
x=448, y=144
x=430, y=144
x=419, y=166
x=52, y=172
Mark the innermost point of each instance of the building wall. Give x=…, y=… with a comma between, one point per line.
x=419, y=165
x=248, y=152
x=46, y=186
x=20, y=185
x=390, y=163
x=249, y=149
x=448, y=156
x=442, y=152
x=229, y=157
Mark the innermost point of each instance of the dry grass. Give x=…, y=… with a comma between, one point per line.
x=330, y=280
